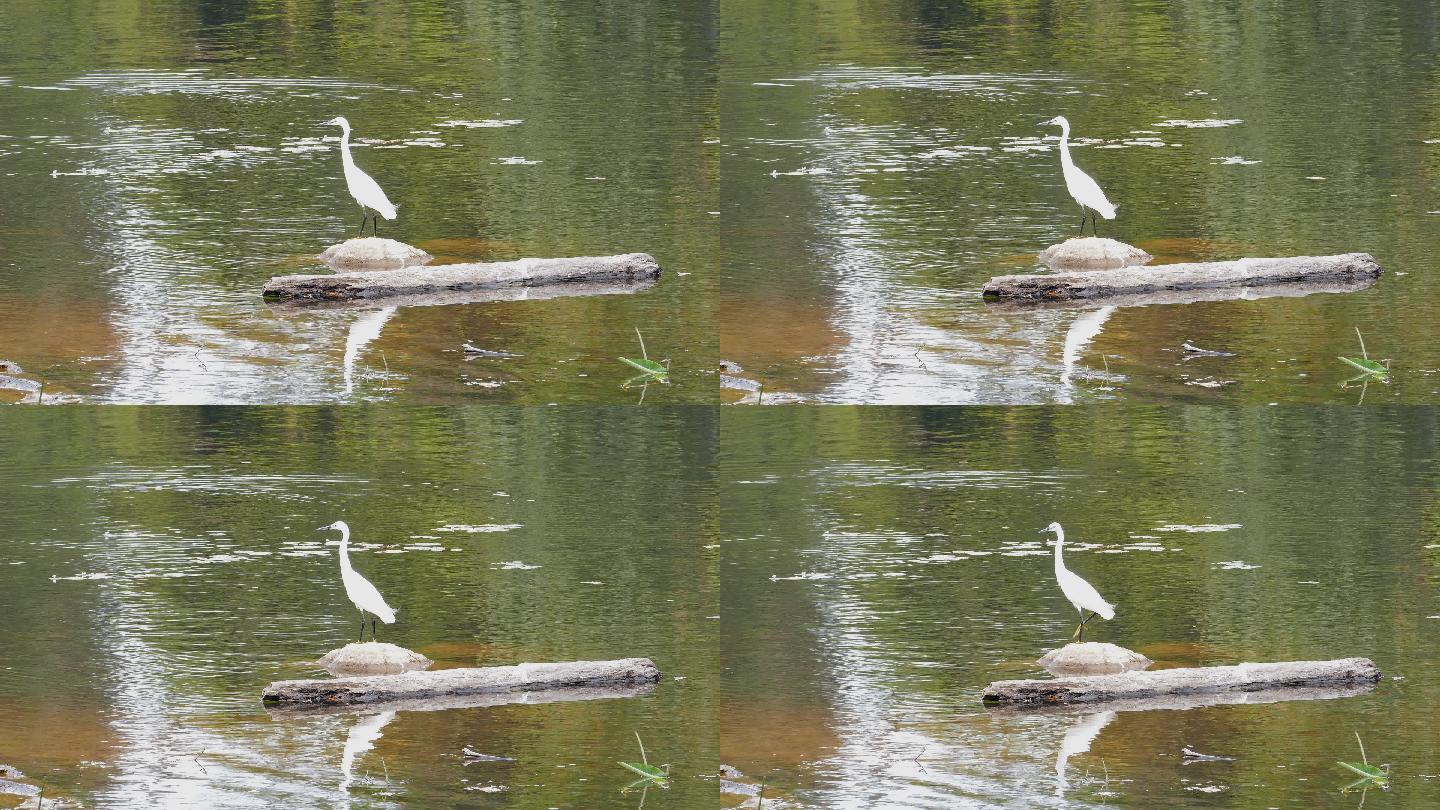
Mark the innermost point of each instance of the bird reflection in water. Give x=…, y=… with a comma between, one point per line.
x=1077, y=741
x=361, y=738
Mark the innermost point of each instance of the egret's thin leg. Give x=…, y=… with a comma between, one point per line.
x=363, y=216
x=1082, y=220
x=372, y=629
x=362, y=627
x=375, y=224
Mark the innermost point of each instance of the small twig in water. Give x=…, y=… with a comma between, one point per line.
x=198, y=762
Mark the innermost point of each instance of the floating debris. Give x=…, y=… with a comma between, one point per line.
x=739, y=383
x=18, y=788
x=1235, y=565
x=1200, y=528
x=78, y=577
x=1195, y=351
x=490, y=527
x=471, y=755
x=802, y=172
x=1210, y=382
x=803, y=576
x=1202, y=123
x=492, y=123
x=1234, y=160
x=473, y=351
x=1191, y=755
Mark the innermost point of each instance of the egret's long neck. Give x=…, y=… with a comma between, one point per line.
x=1059, y=549
x=345, y=550
x=1064, y=161
x=345, y=146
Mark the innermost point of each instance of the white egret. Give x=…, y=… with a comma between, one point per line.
x=1080, y=593
x=364, y=595
x=1080, y=185
x=362, y=186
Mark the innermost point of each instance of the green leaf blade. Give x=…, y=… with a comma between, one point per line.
x=647, y=771
x=647, y=366
x=1366, y=365
x=1367, y=771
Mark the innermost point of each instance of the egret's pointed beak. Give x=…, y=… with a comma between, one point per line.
x=1046, y=123
x=323, y=529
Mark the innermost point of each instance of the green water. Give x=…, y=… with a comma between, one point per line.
x=881, y=566
x=160, y=566
x=160, y=161
x=881, y=161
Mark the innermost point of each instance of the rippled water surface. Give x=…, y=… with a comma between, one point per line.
x=880, y=567
x=160, y=161
x=159, y=567
x=881, y=161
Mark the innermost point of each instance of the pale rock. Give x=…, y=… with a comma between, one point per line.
x=1092, y=253
x=373, y=253
x=372, y=658
x=1092, y=658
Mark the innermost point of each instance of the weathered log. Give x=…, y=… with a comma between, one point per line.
x=372, y=689
x=1353, y=270
x=1201, y=700
x=1184, y=681
x=569, y=694
x=1298, y=289
x=454, y=297
x=453, y=278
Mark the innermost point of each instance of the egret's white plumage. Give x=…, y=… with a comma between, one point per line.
x=1080, y=593
x=362, y=186
x=1080, y=185
x=362, y=594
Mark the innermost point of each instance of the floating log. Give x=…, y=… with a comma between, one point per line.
x=462, y=278
x=461, y=682
x=570, y=694
x=1240, y=678
x=1344, y=272
x=1183, y=702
